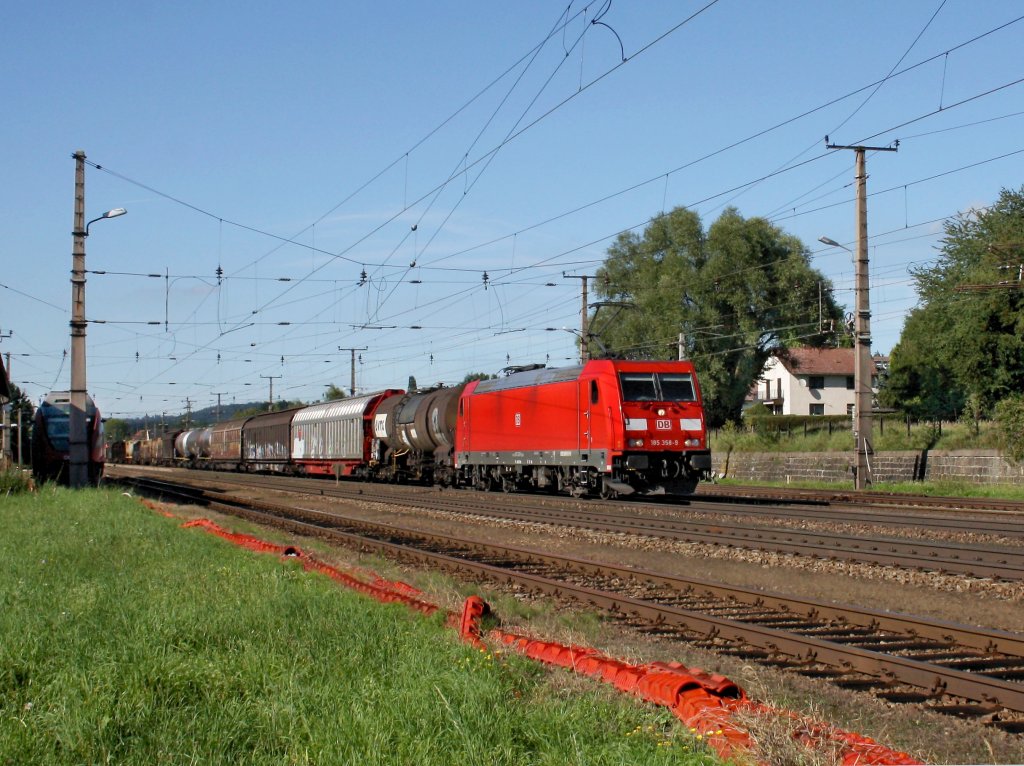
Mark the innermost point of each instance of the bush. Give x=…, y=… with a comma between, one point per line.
x=1009, y=415
x=13, y=480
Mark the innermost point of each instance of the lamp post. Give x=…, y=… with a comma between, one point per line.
x=78, y=438
x=862, y=365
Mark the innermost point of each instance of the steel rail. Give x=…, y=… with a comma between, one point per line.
x=937, y=679
x=957, y=558
x=727, y=493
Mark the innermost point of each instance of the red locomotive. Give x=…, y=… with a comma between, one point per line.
x=608, y=428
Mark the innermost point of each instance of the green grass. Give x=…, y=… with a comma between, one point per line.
x=891, y=437
x=929, y=488
x=125, y=639
x=13, y=480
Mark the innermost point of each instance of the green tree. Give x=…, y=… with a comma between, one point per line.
x=21, y=404
x=412, y=384
x=471, y=376
x=969, y=328
x=333, y=392
x=117, y=430
x=919, y=382
x=1009, y=414
x=734, y=295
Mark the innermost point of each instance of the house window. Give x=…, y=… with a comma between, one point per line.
x=849, y=382
x=849, y=409
x=816, y=381
x=817, y=409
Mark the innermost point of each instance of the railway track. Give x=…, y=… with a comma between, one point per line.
x=975, y=560
x=949, y=668
x=859, y=499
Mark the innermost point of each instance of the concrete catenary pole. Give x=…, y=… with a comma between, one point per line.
x=272, y=378
x=352, y=351
x=863, y=364
x=584, y=329
x=78, y=443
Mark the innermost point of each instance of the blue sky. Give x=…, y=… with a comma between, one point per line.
x=315, y=142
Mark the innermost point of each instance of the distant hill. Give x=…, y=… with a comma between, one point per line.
x=199, y=418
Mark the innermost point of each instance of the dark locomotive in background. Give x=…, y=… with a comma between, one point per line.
x=50, y=439
x=607, y=428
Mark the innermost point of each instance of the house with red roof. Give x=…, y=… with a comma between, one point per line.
x=811, y=381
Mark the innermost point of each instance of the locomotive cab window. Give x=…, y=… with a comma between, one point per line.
x=657, y=387
x=638, y=387
x=677, y=387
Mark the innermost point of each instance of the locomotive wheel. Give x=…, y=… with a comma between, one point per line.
x=607, y=493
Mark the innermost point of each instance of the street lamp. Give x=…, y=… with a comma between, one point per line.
x=78, y=438
x=833, y=243
x=117, y=211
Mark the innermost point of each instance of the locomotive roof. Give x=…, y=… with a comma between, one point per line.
x=61, y=400
x=543, y=375
x=530, y=378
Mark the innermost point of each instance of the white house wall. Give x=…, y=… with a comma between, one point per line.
x=797, y=397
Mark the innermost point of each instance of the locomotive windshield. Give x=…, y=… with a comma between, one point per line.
x=657, y=387
x=58, y=427
x=676, y=387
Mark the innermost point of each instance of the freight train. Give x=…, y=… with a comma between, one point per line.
x=50, y=439
x=607, y=427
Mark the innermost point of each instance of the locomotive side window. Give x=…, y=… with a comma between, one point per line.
x=638, y=387
x=593, y=392
x=677, y=387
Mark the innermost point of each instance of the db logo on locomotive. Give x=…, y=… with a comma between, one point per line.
x=663, y=425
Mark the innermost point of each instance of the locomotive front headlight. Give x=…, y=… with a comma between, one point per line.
x=692, y=442
x=635, y=442
x=661, y=412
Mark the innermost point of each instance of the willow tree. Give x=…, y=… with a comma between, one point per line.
x=730, y=297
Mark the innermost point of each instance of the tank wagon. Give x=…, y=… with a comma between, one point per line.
x=51, y=450
x=607, y=428
x=193, y=445
x=415, y=436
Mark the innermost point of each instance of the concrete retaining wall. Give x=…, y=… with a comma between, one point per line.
x=973, y=466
